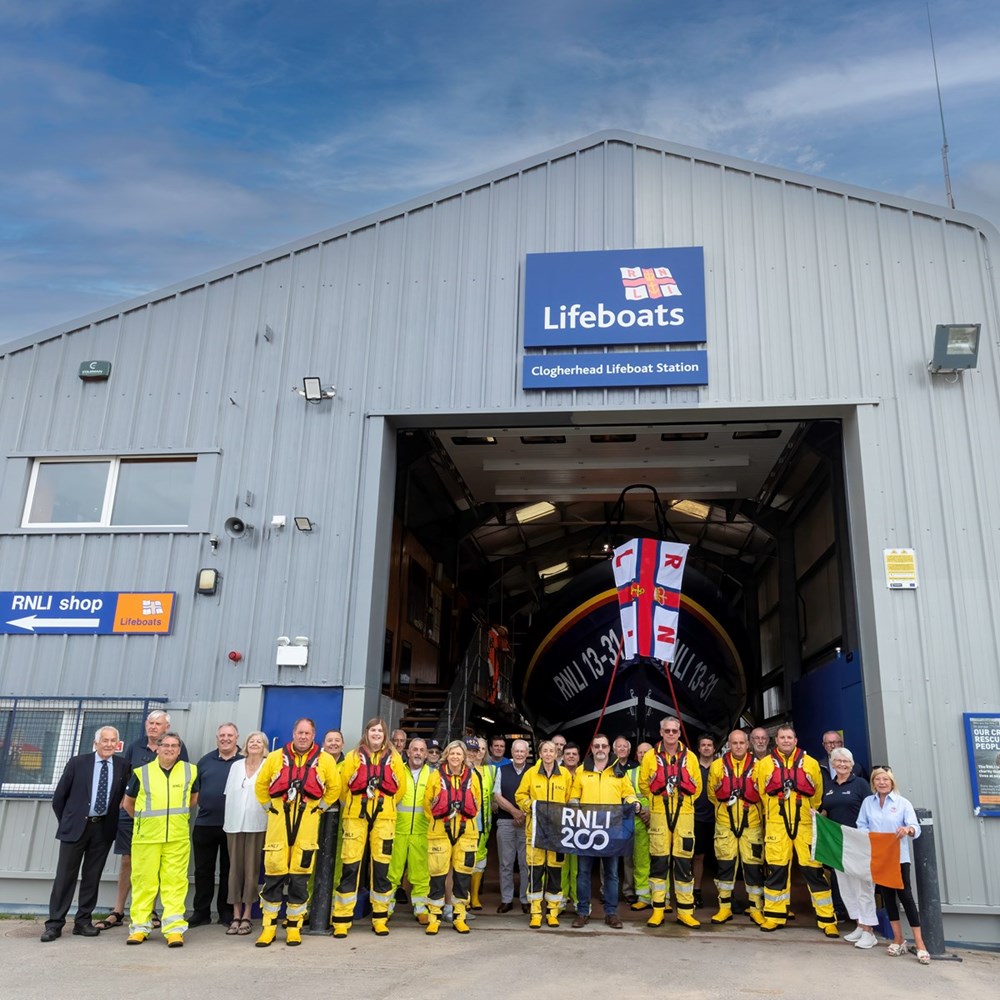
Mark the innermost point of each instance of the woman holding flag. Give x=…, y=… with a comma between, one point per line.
x=545, y=782
x=886, y=811
x=842, y=801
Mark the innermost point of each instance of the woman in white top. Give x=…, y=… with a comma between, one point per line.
x=245, y=822
x=886, y=811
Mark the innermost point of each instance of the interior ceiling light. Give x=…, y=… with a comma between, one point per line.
x=533, y=511
x=557, y=569
x=692, y=508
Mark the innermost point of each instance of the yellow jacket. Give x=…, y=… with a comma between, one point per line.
x=163, y=803
x=601, y=788
x=725, y=813
x=460, y=826
x=793, y=812
x=354, y=802
x=280, y=856
x=647, y=771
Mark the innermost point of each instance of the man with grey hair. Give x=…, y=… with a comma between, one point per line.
x=85, y=802
x=509, y=822
x=208, y=838
x=760, y=742
x=139, y=752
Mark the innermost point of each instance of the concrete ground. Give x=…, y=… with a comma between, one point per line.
x=501, y=957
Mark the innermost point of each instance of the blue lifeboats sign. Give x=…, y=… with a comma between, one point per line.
x=653, y=296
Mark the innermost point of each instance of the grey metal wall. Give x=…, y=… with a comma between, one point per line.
x=817, y=294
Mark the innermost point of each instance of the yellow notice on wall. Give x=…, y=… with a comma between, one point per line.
x=900, y=569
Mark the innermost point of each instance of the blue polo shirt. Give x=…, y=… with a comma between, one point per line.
x=213, y=773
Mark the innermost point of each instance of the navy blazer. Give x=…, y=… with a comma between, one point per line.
x=71, y=799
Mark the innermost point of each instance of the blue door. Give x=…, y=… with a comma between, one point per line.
x=284, y=705
x=832, y=697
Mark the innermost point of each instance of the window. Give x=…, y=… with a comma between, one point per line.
x=110, y=492
x=39, y=735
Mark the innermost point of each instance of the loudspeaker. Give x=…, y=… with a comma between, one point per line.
x=236, y=527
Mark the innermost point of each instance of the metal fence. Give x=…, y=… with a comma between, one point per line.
x=39, y=735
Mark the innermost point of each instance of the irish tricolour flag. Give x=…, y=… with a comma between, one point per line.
x=865, y=855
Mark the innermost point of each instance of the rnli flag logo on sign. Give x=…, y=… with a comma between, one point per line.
x=648, y=575
x=648, y=283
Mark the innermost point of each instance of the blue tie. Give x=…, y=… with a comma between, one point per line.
x=101, y=802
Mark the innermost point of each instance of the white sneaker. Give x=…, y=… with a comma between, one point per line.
x=867, y=940
x=854, y=935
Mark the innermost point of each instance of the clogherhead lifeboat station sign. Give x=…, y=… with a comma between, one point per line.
x=86, y=612
x=609, y=297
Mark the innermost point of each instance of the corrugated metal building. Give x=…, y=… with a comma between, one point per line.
x=821, y=302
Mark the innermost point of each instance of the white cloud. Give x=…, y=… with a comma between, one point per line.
x=875, y=84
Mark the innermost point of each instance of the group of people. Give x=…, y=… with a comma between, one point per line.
x=411, y=811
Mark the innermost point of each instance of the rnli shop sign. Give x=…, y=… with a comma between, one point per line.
x=654, y=296
x=85, y=613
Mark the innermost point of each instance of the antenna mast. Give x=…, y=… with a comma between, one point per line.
x=944, y=135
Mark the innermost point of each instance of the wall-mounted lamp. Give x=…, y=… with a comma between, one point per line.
x=207, y=582
x=292, y=652
x=956, y=348
x=303, y=524
x=313, y=389
x=279, y=521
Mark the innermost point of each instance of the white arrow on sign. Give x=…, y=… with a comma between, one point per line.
x=33, y=621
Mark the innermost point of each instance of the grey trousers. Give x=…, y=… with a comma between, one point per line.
x=511, y=844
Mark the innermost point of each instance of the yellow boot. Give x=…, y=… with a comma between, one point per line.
x=830, y=930
x=458, y=919
x=724, y=915
x=755, y=915
x=380, y=926
x=477, y=883
x=659, y=912
x=340, y=929
x=293, y=932
x=536, y=913
x=433, y=924
x=268, y=929
x=552, y=919
x=687, y=918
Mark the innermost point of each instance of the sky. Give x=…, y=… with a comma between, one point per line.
x=145, y=143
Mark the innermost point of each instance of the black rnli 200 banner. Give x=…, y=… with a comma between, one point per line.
x=603, y=831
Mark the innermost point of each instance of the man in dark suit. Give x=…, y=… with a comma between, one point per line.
x=86, y=802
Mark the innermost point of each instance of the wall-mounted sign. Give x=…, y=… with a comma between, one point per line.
x=578, y=371
x=95, y=370
x=982, y=741
x=85, y=613
x=654, y=296
x=900, y=569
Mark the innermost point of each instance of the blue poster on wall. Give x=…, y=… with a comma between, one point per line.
x=654, y=296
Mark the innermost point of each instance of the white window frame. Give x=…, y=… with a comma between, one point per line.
x=110, y=489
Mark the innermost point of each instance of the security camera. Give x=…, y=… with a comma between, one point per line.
x=236, y=527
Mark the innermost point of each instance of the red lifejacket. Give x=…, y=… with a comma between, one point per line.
x=304, y=778
x=374, y=775
x=672, y=773
x=784, y=781
x=741, y=786
x=452, y=801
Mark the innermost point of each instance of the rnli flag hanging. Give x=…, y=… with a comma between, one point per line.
x=648, y=575
x=602, y=831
